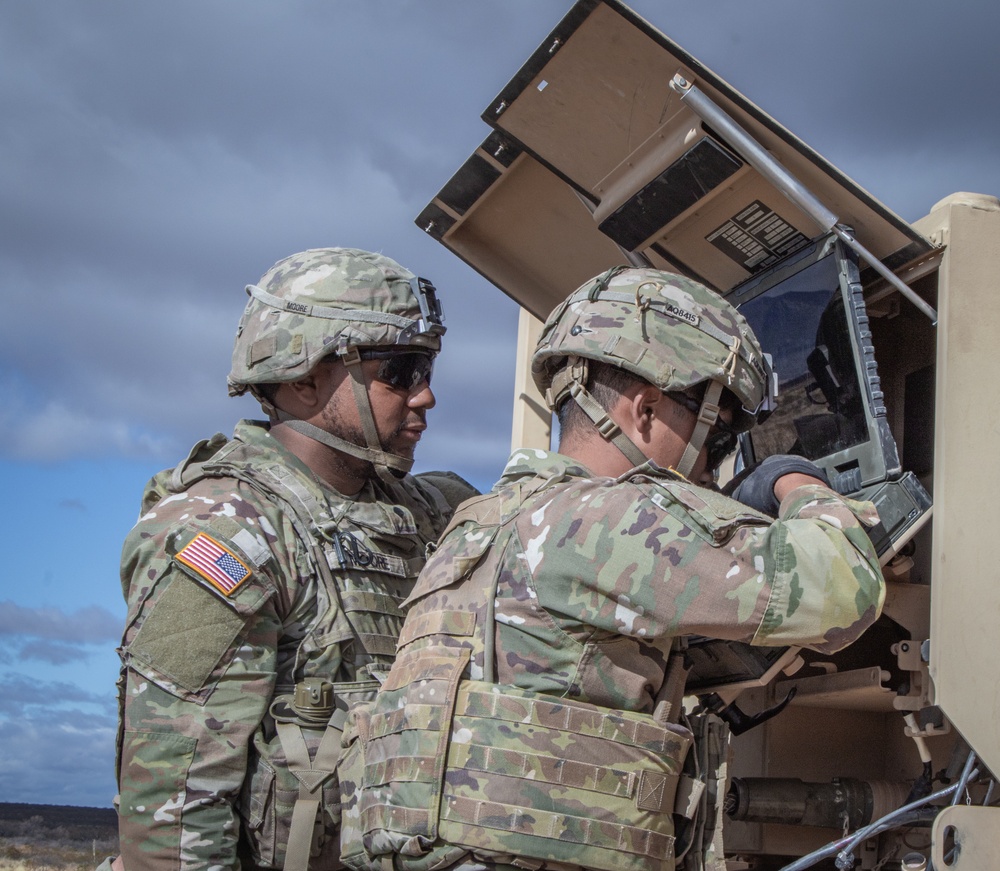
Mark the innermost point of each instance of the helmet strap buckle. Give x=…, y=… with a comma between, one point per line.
x=708, y=414
x=609, y=430
x=350, y=357
x=574, y=372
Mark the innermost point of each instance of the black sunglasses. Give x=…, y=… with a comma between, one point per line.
x=402, y=370
x=719, y=444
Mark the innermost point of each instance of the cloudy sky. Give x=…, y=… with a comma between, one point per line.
x=157, y=157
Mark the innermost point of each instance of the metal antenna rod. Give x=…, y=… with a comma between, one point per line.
x=758, y=157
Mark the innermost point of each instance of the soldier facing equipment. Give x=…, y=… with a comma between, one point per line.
x=526, y=719
x=265, y=577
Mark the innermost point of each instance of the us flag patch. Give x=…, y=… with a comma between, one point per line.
x=217, y=565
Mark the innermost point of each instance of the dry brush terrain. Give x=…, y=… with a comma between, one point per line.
x=37, y=837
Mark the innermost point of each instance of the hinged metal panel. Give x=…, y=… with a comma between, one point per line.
x=594, y=155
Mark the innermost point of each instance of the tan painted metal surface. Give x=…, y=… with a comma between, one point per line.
x=965, y=592
x=973, y=830
x=532, y=421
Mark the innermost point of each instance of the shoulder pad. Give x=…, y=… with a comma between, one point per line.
x=454, y=488
x=458, y=552
x=712, y=514
x=178, y=479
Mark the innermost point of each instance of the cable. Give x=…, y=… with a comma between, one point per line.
x=917, y=816
x=845, y=858
x=915, y=811
x=966, y=776
x=903, y=816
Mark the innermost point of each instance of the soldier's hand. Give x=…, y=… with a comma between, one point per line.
x=765, y=485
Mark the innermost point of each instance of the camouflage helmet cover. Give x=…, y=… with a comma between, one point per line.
x=326, y=301
x=668, y=330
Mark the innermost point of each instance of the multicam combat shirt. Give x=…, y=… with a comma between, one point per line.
x=562, y=585
x=226, y=610
x=597, y=575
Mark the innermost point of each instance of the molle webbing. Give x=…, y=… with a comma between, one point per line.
x=613, y=814
x=364, y=611
x=448, y=766
x=501, y=771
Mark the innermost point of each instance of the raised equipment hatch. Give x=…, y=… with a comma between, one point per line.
x=596, y=160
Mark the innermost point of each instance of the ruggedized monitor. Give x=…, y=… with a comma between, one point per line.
x=809, y=313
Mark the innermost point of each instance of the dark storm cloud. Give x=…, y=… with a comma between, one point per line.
x=150, y=124
x=52, y=652
x=19, y=694
x=90, y=625
x=57, y=755
x=157, y=159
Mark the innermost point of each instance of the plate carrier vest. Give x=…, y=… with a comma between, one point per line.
x=583, y=786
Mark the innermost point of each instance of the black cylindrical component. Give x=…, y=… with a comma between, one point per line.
x=842, y=803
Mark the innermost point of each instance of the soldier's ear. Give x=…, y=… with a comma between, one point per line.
x=303, y=397
x=643, y=408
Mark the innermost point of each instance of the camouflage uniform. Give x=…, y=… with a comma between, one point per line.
x=594, y=579
x=251, y=587
x=520, y=722
x=199, y=778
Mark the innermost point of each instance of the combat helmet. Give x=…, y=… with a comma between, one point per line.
x=666, y=329
x=325, y=301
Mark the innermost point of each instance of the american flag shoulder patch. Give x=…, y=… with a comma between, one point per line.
x=216, y=564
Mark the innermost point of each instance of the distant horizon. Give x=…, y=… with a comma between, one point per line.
x=40, y=804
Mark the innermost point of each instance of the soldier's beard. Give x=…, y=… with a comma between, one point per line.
x=356, y=466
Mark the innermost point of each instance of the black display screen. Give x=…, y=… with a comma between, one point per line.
x=801, y=322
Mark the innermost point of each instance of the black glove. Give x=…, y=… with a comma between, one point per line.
x=755, y=487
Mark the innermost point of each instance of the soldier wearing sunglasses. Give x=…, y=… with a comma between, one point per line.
x=532, y=717
x=266, y=575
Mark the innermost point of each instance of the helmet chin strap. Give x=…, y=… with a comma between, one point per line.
x=389, y=467
x=571, y=379
x=609, y=430
x=707, y=416
x=574, y=376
